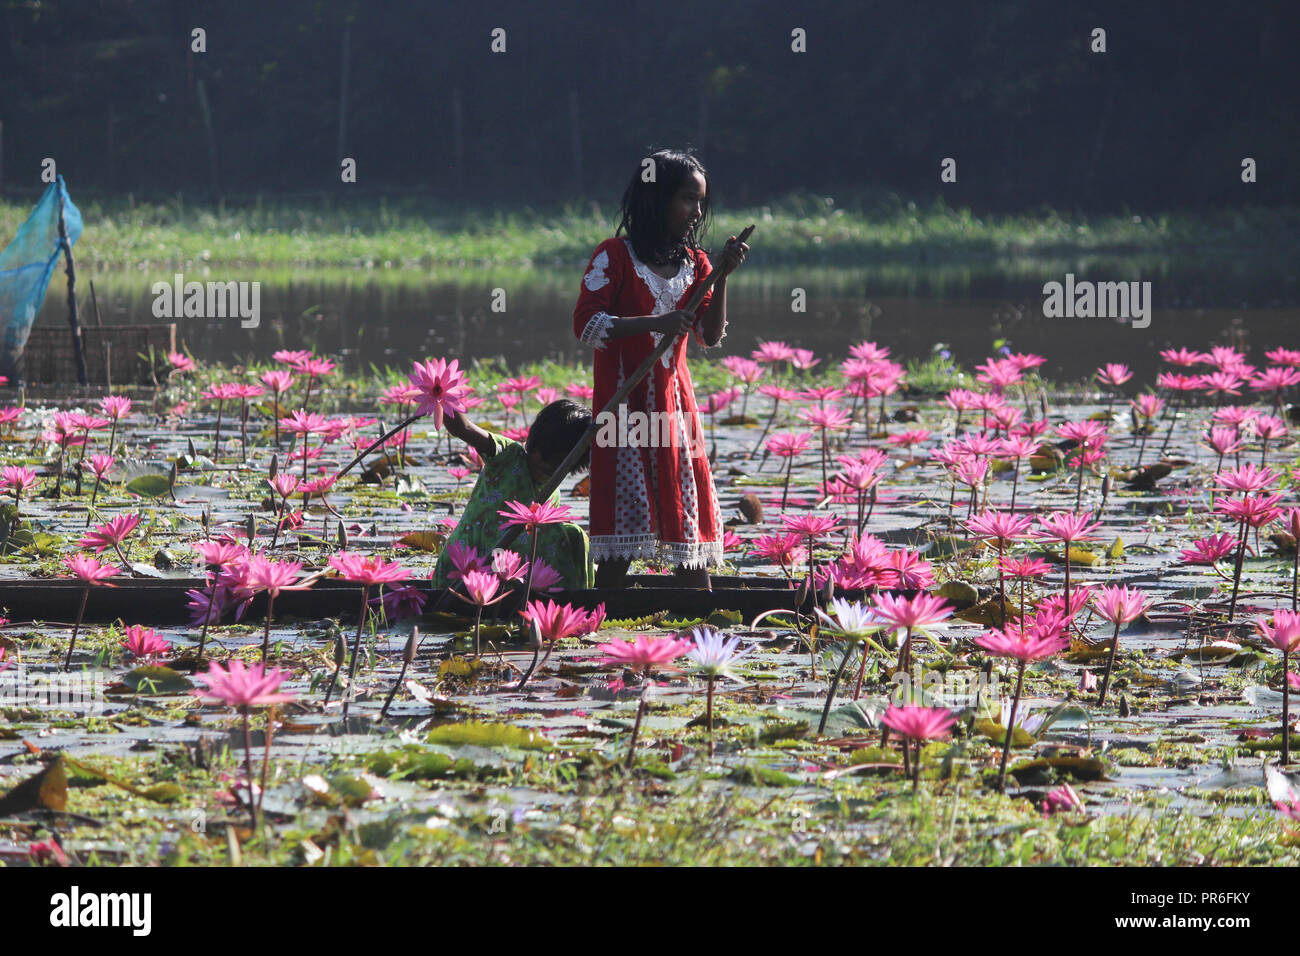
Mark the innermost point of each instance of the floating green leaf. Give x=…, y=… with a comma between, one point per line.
x=150, y=486
x=488, y=735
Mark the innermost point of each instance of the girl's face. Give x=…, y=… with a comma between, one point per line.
x=686, y=208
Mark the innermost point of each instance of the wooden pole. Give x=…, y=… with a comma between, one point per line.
x=99, y=319
x=72, y=293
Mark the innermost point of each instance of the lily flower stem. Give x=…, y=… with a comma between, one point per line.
x=1286, y=708
x=532, y=560
x=383, y=714
x=266, y=626
x=830, y=694
x=266, y=754
x=708, y=713
x=356, y=650
x=1010, y=728
x=1002, y=584
x=248, y=768
x=334, y=679
x=636, y=727
x=207, y=618
x=776, y=404
x=72, y=643
x=1295, y=575
x=94, y=493
x=824, y=453
x=216, y=441
x=1110, y=665
x=1172, y=419
x=1236, y=571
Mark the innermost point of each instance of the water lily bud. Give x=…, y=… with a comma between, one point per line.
x=275, y=467
x=342, y=537
x=340, y=650
x=408, y=653
x=192, y=451
x=251, y=528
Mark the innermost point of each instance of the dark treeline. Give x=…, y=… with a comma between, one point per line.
x=885, y=91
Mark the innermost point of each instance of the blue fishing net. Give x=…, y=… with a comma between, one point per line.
x=26, y=266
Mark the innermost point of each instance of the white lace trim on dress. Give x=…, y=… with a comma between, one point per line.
x=596, y=332
x=622, y=547
x=628, y=547
x=667, y=292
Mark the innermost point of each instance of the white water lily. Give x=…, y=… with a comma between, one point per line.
x=713, y=655
x=1026, y=719
x=851, y=619
x=1281, y=788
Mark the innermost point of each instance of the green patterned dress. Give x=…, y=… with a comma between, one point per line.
x=505, y=477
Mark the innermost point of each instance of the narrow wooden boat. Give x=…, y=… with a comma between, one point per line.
x=164, y=601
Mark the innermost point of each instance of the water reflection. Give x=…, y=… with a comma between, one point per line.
x=382, y=316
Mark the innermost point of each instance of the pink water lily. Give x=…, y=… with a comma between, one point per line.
x=553, y=623
x=245, y=688
x=180, y=362
x=1067, y=528
x=111, y=534
x=1119, y=605
x=442, y=388
x=533, y=515
x=1209, y=550
x=367, y=570
x=17, y=478
x=918, y=724
x=643, y=653
x=144, y=642
x=1283, y=632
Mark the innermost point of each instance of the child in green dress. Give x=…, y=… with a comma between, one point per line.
x=517, y=472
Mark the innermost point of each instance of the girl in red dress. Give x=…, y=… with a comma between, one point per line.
x=652, y=495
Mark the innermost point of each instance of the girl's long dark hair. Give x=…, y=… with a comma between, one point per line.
x=645, y=208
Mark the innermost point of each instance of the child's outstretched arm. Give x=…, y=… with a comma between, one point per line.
x=458, y=426
x=714, y=319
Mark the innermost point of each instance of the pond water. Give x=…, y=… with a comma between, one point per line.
x=379, y=315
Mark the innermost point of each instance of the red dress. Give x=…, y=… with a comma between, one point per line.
x=652, y=494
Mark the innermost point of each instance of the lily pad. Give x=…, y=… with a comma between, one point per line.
x=488, y=735
x=150, y=486
x=155, y=679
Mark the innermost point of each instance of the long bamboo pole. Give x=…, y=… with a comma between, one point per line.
x=580, y=449
x=71, y=268
x=574, y=456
